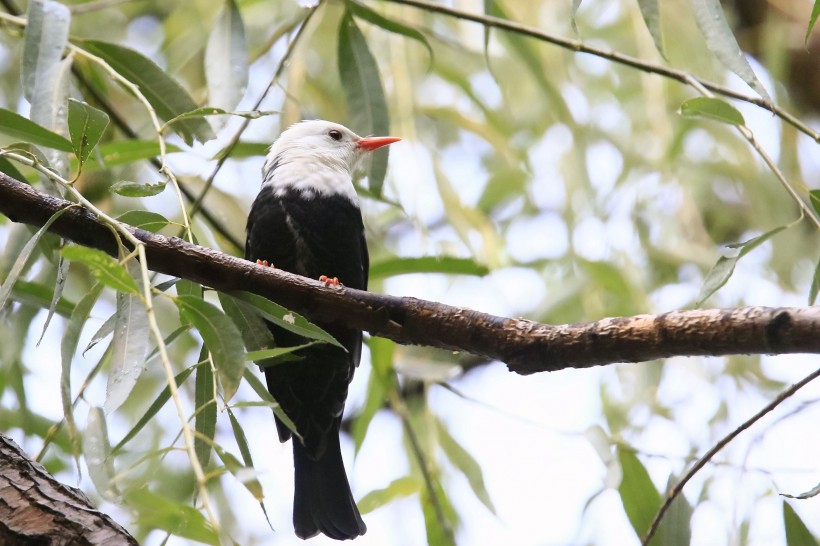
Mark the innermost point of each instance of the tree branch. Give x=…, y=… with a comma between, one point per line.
x=525, y=346
x=37, y=509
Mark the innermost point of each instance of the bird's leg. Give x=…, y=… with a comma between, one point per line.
x=330, y=281
x=265, y=263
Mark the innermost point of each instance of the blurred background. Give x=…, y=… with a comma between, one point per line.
x=550, y=184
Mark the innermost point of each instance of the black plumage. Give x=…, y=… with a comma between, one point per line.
x=313, y=234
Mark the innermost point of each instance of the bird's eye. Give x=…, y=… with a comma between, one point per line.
x=334, y=134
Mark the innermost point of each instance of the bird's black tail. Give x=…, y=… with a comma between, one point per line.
x=322, y=501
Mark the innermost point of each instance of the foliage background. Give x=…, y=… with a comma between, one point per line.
x=550, y=184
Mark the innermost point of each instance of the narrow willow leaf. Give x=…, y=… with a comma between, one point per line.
x=711, y=108
x=255, y=332
x=266, y=396
x=372, y=16
x=814, y=197
x=813, y=492
x=184, y=287
x=127, y=188
x=40, y=296
x=59, y=283
x=124, y=152
x=266, y=354
x=241, y=438
x=86, y=125
x=397, y=489
x=366, y=103
x=815, y=285
x=222, y=339
x=97, y=451
x=68, y=347
x=651, y=13
x=162, y=91
x=576, y=4
x=205, y=419
x=24, y=256
x=8, y=168
x=105, y=269
x=105, y=330
x=675, y=529
x=128, y=346
x=160, y=512
x=286, y=319
x=722, y=43
x=143, y=219
x=430, y=264
x=380, y=382
x=438, y=532
x=48, y=108
x=639, y=496
x=815, y=11
x=206, y=111
x=243, y=149
x=722, y=271
x=466, y=463
x=154, y=408
x=797, y=533
x=16, y=126
x=45, y=39
x=226, y=59
x=246, y=476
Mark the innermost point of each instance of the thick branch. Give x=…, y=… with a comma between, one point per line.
x=526, y=346
x=37, y=509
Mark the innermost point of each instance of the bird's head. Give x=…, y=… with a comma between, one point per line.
x=318, y=156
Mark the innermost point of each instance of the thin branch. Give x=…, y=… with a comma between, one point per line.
x=526, y=346
x=675, y=491
x=626, y=60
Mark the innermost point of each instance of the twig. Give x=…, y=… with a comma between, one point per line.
x=675, y=491
x=633, y=62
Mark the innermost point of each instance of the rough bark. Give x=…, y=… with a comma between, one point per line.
x=525, y=346
x=36, y=509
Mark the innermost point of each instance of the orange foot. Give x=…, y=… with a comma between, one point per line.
x=265, y=263
x=330, y=281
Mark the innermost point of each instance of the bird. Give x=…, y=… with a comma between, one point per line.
x=306, y=220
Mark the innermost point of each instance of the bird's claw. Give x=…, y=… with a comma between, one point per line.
x=330, y=281
x=265, y=263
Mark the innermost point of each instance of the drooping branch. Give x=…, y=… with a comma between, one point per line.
x=525, y=346
x=37, y=509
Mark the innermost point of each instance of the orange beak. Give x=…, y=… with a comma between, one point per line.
x=373, y=143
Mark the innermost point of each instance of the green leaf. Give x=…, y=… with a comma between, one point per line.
x=711, y=108
x=205, y=419
x=8, y=168
x=430, y=264
x=380, y=382
x=23, y=257
x=262, y=391
x=86, y=125
x=722, y=43
x=240, y=472
x=465, y=462
x=815, y=11
x=160, y=512
x=206, y=111
x=16, y=126
x=222, y=338
x=143, y=219
x=286, y=319
x=163, y=92
x=40, y=295
x=366, y=103
x=814, y=197
x=651, y=13
x=815, y=285
x=255, y=332
x=797, y=533
x=154, y=408
x=639, y=496
x=97, y=452
x=244, y=149
x=129, y=346
x=59, y=284
x=226, y=59
x=128, y=151
x=127, y=188
x=374, y=17
x=266, y=354
x=46, y=36
x=725, y=266
x=675, y=529
x=397, y=489
x=106, y=269
x=68, y=347
x=813, y=492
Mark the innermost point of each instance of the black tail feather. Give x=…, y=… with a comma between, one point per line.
x=322, y=501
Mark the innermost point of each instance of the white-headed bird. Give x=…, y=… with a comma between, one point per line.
x=306, y=220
